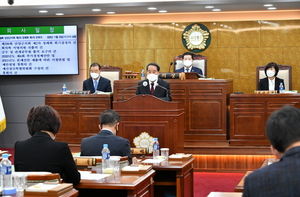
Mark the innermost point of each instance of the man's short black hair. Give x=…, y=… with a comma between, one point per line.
x=188, y=53
x=95, y=64
x=109, y=117
x=153, y=64
x=283, y=128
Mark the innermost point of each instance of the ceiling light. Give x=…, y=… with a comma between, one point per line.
x=59, y=14
x=43, y=11
x=216, y=10
x=110, y=12
x=268, y=5
x=209, y=7
x=162, y=11
x=272, y=8
x=96, y=10
x=152, y=8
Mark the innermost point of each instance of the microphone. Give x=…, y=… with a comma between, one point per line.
x=171, y=63
x=167, y=97
x=145, y=83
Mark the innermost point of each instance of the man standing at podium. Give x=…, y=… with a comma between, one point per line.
x=96, y=82
x=154, y=85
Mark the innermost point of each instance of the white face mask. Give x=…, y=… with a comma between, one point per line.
x=187, y=63
x=152, y=77
x=270, y=73
x=94, y=75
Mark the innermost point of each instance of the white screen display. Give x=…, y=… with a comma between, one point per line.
x=39, y=50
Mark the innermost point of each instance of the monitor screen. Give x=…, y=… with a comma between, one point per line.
x=39, y=50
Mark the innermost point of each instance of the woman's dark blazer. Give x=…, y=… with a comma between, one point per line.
x=264, y=83
x=42, y=153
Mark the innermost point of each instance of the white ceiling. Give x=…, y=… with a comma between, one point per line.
x=30, y=8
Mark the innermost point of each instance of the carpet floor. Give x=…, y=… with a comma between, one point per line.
x=206, y=182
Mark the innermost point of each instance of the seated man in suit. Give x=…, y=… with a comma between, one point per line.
x=109, y=124
x=279, y=178
x=96, y=82
x=187, y=59
x=154, y=85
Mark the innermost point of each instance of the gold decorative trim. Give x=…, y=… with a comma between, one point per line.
x=144, y=140
x=196, y=38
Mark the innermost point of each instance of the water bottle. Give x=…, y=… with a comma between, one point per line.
x=155, y=148
x=281, y=88
x=6, y=170
x=105, y=158
x=143, y=77
x=64, y=89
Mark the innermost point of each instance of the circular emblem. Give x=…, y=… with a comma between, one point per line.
x=144, y=140
x=196, y=37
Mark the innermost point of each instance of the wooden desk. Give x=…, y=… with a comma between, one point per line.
x=240, y=186
x=79, y=114
x=249, y=113
x=129, y=185
x=174, y=175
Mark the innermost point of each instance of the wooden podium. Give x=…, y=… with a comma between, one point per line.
x=158, y=118
x=79, y=114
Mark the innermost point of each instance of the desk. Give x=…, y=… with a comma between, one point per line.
x=129, y=185
x=177, y=176
x=249, y=113
x=79, y=114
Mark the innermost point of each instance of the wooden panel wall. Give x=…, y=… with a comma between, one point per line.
x=236, y=48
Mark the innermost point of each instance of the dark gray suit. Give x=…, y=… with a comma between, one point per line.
x=159, y=92
x=42, y=153
x=118, y=146
x=278, y=179
x=103, y=85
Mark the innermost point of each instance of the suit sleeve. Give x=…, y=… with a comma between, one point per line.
x=169, y=91
x=137, y=92
x=108, y=86
x=84, y=86
x=126, y=150
x=260, y=85
x=71, y=174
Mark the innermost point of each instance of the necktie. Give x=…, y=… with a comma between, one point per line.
x=95, y=85
x=152, y=88
x=187, y=70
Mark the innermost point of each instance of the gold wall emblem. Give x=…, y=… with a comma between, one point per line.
x=196, y=37
x=144, y=140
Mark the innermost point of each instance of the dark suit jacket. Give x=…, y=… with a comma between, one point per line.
x=264, y=83
x=42, y=153
x=159, y=92
x=194, y=69
x=118, y=146
x=103, y=85
x=278, y=179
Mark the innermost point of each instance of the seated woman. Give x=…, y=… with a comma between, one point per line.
x=271, y=82
x=41, y=152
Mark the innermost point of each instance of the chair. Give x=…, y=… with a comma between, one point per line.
x=199, y=62
x=285, y=73
x=111, y=73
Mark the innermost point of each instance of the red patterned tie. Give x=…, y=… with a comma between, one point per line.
x=152, y=88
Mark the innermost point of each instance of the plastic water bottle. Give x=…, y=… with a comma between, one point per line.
x=155, y=148
x=281, y=88
x=105, y=158
x=143, y=77
x=64, y=89
x=6, y=169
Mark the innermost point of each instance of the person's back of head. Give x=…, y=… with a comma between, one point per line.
x=109, y=117
x=43, y=118
x=283, y=128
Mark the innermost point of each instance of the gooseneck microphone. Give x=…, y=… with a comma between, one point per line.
x=171, y=64
x=145, y=83
x=167, y=97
